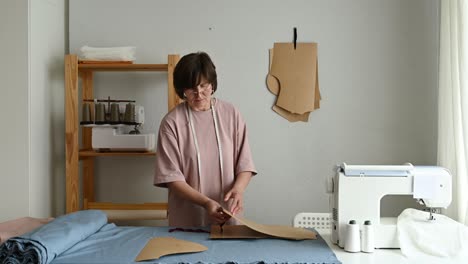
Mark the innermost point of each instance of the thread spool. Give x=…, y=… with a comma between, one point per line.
x=114, y=114
x=352, y=239
x=86, y=114
x=367, y=238
x=129, y=117
x=100, y=110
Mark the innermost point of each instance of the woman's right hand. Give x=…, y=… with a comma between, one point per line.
x=215, y=212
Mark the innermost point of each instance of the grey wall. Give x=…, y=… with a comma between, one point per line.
x=14, y=76
x=377, y=72
x=47, y=46
x=31, y=110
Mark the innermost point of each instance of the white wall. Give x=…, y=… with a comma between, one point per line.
x=31, y=137
x=377, y=72
x=14, y=110
x=47, y=46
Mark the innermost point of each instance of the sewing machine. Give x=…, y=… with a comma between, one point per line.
x=357, y=192
x=123, y=137
x=116, y=138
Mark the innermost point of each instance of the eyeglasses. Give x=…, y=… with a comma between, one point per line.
x=203, y=88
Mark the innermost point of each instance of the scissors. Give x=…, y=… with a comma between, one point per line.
x=221, y=226
x=220, y=209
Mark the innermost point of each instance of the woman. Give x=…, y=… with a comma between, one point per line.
x=203, y=154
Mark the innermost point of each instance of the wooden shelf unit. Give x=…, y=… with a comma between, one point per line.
x=74, y=153
x=87, y=153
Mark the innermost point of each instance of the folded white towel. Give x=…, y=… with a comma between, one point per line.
x=442, y=240
x=108, y=54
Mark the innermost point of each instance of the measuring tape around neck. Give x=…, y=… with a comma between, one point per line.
x=218, y=141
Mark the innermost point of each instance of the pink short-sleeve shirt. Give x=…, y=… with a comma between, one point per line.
x=176, y=158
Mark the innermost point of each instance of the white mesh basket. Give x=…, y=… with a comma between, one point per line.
x=320, y=221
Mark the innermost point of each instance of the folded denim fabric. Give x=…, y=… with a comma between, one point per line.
x=48, y=241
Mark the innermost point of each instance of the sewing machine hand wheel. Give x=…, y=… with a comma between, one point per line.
x=135, y=130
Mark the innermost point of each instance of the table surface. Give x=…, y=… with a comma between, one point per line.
x=380, y=256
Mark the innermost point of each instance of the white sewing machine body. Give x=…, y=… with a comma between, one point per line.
x=118, y=137
x=357, y=192
x=115, y=138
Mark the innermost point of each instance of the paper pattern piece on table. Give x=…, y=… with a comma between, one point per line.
x=235, y=231
x=161, y=246
x=300, y=91
x=287, y=232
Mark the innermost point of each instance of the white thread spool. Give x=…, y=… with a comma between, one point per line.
x=367, y=239
x=353, y=239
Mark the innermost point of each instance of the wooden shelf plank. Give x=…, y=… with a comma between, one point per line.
x=91, y=153
x=125, y=206
x=120, y=211
x=123, y=67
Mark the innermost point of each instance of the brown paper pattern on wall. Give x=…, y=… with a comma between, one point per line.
x=293, y=77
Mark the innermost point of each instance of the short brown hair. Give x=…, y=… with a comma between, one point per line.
x=190, y=69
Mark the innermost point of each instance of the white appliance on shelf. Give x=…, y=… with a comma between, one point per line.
x=121, y=137
x=115, y=138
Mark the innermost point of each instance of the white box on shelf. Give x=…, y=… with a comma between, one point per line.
x=112, y=138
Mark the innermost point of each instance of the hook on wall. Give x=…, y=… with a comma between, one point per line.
x=295, y=37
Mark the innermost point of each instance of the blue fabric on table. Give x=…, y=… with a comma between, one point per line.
x=42, y=245
x=121, y=245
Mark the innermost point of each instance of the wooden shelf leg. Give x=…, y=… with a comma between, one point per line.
x=172, y=98
x=71, y=133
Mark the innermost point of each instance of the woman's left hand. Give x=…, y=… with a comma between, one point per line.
x=237, y=201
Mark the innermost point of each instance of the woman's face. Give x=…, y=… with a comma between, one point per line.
x=199, y=98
